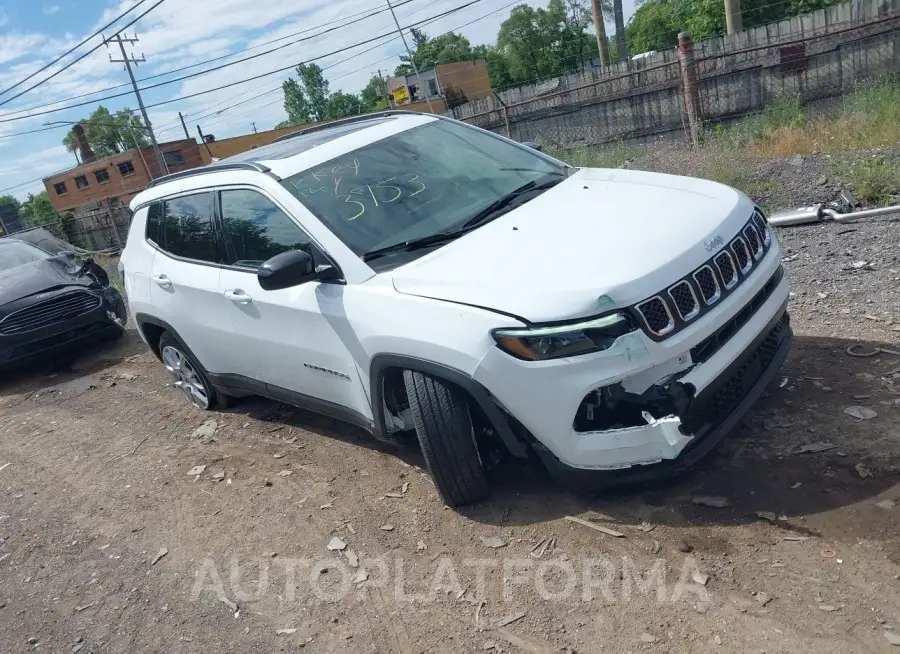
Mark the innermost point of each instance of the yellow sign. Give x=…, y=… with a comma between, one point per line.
x=400, y=94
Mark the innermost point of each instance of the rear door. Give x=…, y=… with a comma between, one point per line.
x=296, y=339
x=184, y=276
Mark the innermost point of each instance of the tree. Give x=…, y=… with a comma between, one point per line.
x=37, y=211
x=295, y=104
x=427, y=52
x=341, y=105
x=109, y=134
x=8, y=199
x=373, y=92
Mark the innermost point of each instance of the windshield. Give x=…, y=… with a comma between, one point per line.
x=426, y=180
x=16, y=253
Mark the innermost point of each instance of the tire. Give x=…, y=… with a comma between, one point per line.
x=188, y=375
x=444, y=427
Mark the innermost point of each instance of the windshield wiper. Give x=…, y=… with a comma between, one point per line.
x=500, y=206
x=493, y=210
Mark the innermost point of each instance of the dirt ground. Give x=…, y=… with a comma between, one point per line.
x=108, y=544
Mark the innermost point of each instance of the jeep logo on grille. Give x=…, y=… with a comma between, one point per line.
x=713, y=243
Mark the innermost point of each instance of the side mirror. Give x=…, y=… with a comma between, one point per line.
x=287, y=269
x=532, y=145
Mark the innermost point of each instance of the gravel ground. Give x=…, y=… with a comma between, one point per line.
x=107, y=544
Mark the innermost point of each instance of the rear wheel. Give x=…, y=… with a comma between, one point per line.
x=444, y=426
x=187, y=375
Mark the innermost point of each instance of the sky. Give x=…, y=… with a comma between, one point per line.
x=179, y=33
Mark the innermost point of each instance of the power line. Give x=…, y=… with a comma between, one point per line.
x=249, y=79
x=76, y=60
x=71, y=50
x=373, y=12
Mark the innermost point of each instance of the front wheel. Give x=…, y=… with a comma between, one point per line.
x=444, y=427
x=187, y=375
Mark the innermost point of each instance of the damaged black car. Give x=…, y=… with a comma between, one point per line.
x=53, y=303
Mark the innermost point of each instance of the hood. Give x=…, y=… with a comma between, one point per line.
x=598, y=240
x=37, y=277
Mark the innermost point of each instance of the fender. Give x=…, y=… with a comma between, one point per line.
x=381, y=362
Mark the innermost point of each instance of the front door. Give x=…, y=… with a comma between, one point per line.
x=296, y=339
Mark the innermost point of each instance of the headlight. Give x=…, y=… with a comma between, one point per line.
x=540, y=343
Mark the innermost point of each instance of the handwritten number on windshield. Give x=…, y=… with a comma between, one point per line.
x=349, y=200
x=383, y=184
x=413, y=179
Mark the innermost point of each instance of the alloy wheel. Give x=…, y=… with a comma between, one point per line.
x=185, y=377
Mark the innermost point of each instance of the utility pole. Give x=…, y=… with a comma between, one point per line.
x=411, y=60
x=118, y=38
x=600, y=28
x=734, y=21
x=187, y=134
x=384, y=91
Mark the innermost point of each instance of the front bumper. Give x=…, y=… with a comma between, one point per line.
x=67, y=334
x=545, y=397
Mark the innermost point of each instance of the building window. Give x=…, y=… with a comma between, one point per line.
x=81, y=182
x=60, y=188
x=102, y=176
x=173, y=158
x=126, y=169
x=432, y=86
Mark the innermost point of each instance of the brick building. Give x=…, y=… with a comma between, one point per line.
x=469, y=77
x=117, y=179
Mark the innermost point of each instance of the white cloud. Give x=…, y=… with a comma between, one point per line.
x=49, y=10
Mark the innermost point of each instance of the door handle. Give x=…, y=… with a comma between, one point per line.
x=238, y=296
x=162, y=281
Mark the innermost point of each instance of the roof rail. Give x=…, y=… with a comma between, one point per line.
x=352, y=119
x=210, y=168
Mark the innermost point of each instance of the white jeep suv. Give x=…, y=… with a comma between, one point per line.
x=406, y=272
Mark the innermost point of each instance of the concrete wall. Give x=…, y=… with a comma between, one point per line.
x=119, y=186
x=816, y=56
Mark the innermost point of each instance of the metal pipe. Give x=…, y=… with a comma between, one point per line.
x=819, y=213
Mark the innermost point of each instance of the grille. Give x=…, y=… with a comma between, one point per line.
x=708, y=284
x=742, y=256
x=668, y=311
x=656, y=316
x=756, y=247
x=725, y=264
x=42, y=314
x=713, y=410
x=685, y=300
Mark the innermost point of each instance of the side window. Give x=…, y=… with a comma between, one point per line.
x=189, y=230
x=255, y=229
x=154, y=221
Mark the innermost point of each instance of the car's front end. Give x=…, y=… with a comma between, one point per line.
x=50, y=304
x=661, y=380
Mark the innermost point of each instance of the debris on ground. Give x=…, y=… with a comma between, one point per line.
x=219, y=475
x=493, y=542
x=813, y=448
x=543, y=546
x=360, y=576
x=386, y=527
x=206, y=430
x=700, y=578
x=646, y=527
x=892, y=638
x=336, y=544
x=796, y=538
x=196, y=471
x=161, y=553
x=762, y=597
x=863, y=471
x=285, y=473
x=352, y=558
x=828, y=608
x=508, y=620
x=5, y=465
x=766, y=515
x=887, y=505
x=648, y=638
x=714, y=501
x=421, y=546
x=227, y=602
x=394, y=495
x=861, y=412
x=128, y=376
x=600, y=528
x=285, y=632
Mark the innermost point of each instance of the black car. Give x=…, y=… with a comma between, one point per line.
x=50, y=303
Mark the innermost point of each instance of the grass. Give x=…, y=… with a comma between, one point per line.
x=874, y=181
x=613, y=155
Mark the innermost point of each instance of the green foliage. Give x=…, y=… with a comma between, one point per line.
x=428, y=52
x=783, y=112
x=455, y=96
x=541, y=43
x=373, y=92
x=8, y=199
x=306, y=101
x=341, y=105
x=37, y=211
x=295, y=103
x=875, y=181
x=109, y=134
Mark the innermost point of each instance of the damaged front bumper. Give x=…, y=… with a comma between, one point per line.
x=38, y=335
x=670, y=445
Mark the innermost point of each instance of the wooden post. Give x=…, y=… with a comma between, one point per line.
x=690, y=85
